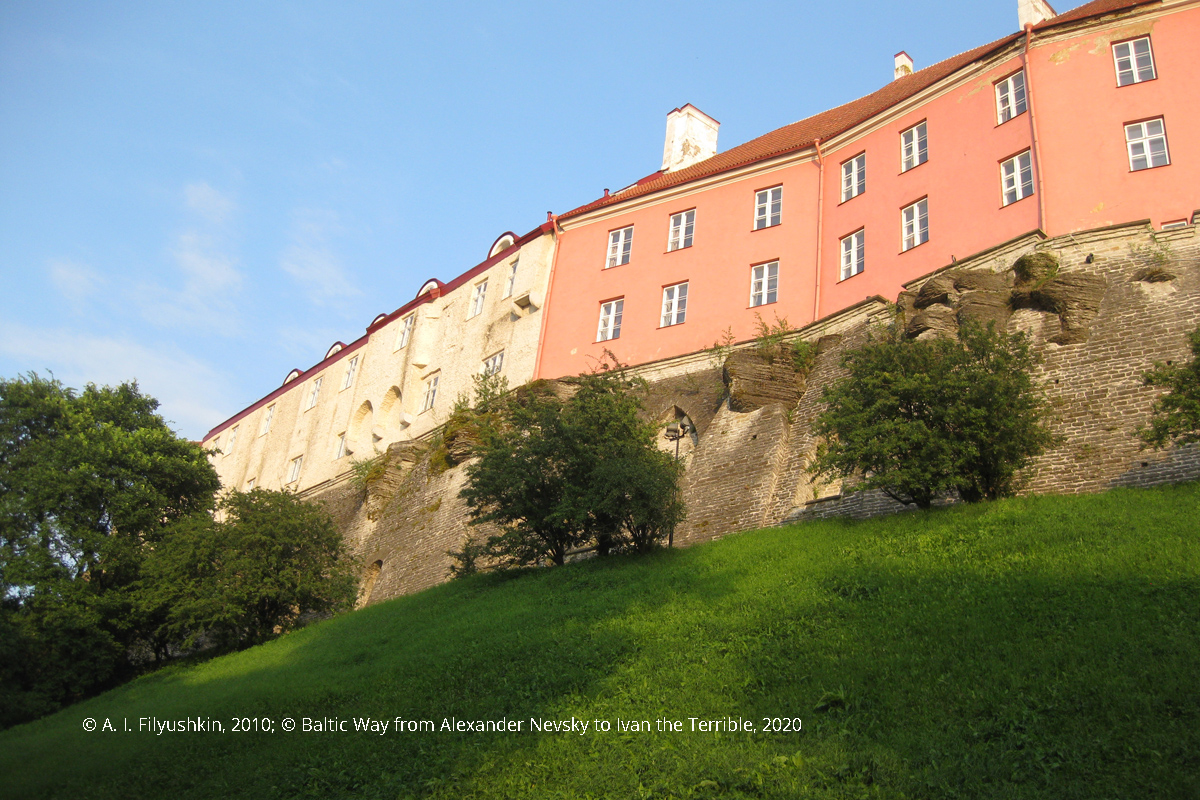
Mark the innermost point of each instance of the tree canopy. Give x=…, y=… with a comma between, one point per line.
x=557, y=473
x=1177, y=413
x=921, y=419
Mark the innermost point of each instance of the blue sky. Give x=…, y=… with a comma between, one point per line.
x=203, y=196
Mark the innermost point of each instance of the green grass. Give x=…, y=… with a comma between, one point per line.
x=1032, y=648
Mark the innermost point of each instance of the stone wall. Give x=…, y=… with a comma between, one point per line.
x=1117, y=300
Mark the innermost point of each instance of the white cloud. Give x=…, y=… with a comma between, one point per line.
x=209, y=203
x=211, y=282
x=76, y=282
x=313, y=263
x=193, y=396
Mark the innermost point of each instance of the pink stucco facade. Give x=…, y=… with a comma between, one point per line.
x=1073, y=127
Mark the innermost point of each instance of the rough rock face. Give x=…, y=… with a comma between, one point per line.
x=461, y=441
x=397, y=463
x=753, y=383
x=1073, y=297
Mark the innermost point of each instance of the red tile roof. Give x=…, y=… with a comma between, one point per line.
x=801, y=135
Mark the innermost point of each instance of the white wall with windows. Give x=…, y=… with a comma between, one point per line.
x=397, y=383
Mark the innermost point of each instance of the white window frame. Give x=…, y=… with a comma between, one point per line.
x=316, y=392
x=233, y=432
x=914, y=224
x=609, y=326
x=511, y=281
x=768, y=207
x=1140, y=138
x=854, y=250
x=294, y=473
x=341, y=447
x=431, y=388
x=1136, y=72
x=683, y=226
x=351, y=368
x=674, y=304
x=854, y=176
x=620, y=247
x=1011, y=99
x=914, y=146
x=493, y=364
x=266, y=423
x=764, y=284
x=1016, y=178
x=478, y=296
x=404, y=334
x=250, y=484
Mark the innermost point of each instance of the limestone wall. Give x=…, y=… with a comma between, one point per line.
x=1121, y=299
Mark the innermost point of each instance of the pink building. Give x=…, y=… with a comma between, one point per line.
x=1079, y=121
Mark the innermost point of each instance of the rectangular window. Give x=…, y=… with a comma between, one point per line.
x=853, y=254
x=764, y=284
x=512, y=278
x=493, y=364
x=1147, y=143
x=620, y=244
x=914, y=223
x=1016, y=178
x=348, y=378
x=294, y=474
x=854, y=176
x=341, y=447
x=1135, y=61
x=768, y=207
x=610, y=320
x=431, y=385
x=232, y=439
x=477, y=299
x=316, y=391
x=266, y=423
x=250, y=485
x=682, y=226
x=674, y=305
x=405, y=333
x=1010, y=97
x=914, y=147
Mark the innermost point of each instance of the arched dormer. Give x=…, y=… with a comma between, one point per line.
x=291, y=376
x=505, y=241
x=335, y=347
x=375, y=321
x=432, y=287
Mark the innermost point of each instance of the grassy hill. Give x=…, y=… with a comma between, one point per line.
x=1039, y=647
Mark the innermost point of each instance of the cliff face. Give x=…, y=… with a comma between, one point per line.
x=1100, y=307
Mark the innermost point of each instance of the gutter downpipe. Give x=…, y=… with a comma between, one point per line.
x=546, y=306
x=1037, y=150
x=820, y=227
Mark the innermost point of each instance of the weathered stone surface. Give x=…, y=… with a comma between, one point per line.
x=1153, y=275
x=460, y=441
x=980, y=280
x=753, y=383
x=937, y=290
x=936, y=320
x=1074, y=297
x=1035, y=268
x=983, y=307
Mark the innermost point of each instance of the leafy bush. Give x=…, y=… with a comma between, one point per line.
x=923, y=419
x=1177, y=413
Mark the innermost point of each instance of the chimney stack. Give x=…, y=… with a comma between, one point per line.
x=1031, y=12
x=691, y=137
x=904, y=65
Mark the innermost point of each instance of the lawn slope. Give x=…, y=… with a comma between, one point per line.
x=1030, y=648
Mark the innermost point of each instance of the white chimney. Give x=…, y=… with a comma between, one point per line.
x=904, y=65
x=691, y=137
x=1031, y=12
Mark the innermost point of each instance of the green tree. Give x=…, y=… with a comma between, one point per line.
x=556, y=474
x=255, y=571
x=89, y=481
x=923, y=419
x=1177, y=413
